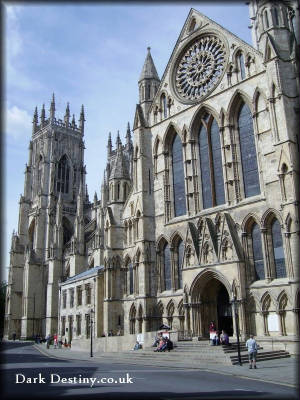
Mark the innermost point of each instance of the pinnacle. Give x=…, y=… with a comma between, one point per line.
x=149, y=70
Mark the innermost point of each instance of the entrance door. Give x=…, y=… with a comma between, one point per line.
x=224, y=311
x=210, y=302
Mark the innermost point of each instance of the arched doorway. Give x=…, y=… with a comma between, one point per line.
x=210, y=302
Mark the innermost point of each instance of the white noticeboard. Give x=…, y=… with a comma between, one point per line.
x=273, y=323
x=140, y=338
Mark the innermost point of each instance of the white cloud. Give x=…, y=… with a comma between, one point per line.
x=16, y=121
x=13, y=37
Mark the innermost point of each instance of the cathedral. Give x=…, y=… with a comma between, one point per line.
x=198, y=216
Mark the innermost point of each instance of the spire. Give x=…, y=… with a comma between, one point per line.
x=67, y=116
x=128, y=133
x=81, y=120
x=149, y=70
x=43, y=116
x=109, y=145
x=52, y=108
x=95, y=198
x=35, y=120
x=73, y=122
x=118, y=141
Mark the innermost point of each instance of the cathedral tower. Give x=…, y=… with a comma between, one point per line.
x=53, y=176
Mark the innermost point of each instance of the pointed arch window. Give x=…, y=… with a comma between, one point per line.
x=130, y=270
x=163, y=105
x=248, y=152
x=167, y=268
x=211, y=163
x=275, y=17
x=278, y=253
x=63, y=175
x=258, y=258
x=241, y=63
x=180, y=250
x=266, y=19
x=148, y=92
x=178, y=178
x=40, y=169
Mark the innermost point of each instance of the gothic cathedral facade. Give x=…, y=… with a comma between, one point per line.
x=198, y=207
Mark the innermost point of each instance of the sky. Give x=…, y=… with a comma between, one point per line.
x=90, y=54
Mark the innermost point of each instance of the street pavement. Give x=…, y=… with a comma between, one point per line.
x=274, y=379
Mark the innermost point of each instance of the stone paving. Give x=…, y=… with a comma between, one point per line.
x=282, y=371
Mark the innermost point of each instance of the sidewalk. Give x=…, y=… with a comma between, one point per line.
x=282, y=371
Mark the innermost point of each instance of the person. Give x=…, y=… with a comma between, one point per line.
x=252, y=351
x=215, y=340
x=169, y=344
x=160, y=344
x=136, y=346
x=164, y=345
x=55, y=340
x=156, y=341
x=14, y=335
x=224, y=338
x=48, y=338
x=212, y=327
x=212, y=332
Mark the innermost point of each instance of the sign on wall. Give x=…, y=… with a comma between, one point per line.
x=273, y=323
x=140, y=338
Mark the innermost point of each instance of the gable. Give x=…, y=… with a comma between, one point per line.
x=197, y=65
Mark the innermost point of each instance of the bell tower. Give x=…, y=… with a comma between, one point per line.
x=48, y=207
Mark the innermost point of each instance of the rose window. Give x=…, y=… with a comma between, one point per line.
x=200, y=68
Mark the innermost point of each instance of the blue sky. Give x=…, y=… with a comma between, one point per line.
x=89, y=54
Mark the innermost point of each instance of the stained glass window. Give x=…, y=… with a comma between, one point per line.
x=179, y=264
x=248, y=152
x=278, y=252
x=218, y=180
x=178, y=178
x=211, y=165
x=167, y=268
x=258, y=258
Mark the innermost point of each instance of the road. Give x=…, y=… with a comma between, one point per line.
x=55, y=378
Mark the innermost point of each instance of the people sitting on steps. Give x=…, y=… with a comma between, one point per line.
x=224, y=338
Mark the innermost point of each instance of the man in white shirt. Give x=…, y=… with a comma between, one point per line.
x=252, y=351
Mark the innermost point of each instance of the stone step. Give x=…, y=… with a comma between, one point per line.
x=263, y=356
x=170, y=356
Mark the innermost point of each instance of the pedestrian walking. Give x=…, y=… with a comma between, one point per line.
x=55, y=338
x=252, y=351
x=48, y=338
x=14, y=335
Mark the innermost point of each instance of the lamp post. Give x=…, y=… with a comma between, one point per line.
x=236, y=303
x=91, y=333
